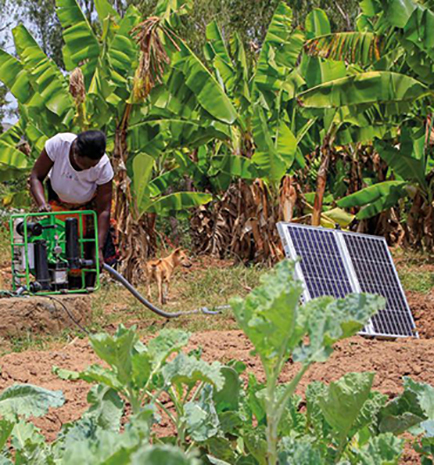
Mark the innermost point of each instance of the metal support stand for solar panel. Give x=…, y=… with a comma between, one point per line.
x=337, y=263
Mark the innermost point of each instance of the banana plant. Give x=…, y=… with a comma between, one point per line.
x=99, y=90
x=390, y=97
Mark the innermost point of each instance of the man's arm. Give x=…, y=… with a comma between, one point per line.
x=40, y=171
x=103, y=207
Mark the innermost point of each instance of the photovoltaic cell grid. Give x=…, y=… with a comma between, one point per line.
x=322, y=265
x=376, y=274
x=362, y=263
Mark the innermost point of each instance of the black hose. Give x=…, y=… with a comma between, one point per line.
x=118, y=277
x=71, y=316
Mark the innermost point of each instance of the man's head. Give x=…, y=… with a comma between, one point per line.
x=89, y=148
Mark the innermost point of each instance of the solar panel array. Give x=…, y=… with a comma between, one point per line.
x=337, y=263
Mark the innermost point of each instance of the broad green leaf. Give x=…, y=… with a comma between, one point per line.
x=142, y=169
x=220, y=448
x=15, y=77
x=404, y=160
x=206, y=89
x=228, y=397
x=266, y=157
x=385, y=449
x=376, y=198
x=27, y=400
x=327, y=320
x=189, y=370
x=201, y=417
x=365, y=88
x=106, y=407
x=401, y=413
x=100, y=375
x=344, y=400
x=28, y=443
x=142, y=367
x=166, y=343
x=268, y=315
x=11, y=157
x=222, y=60
x=335, y=216
x=123, y=50
x=45, y=76
x=317, y=23
x=279, y=53
x=398, y=12
x=158, y=455
x=368, y=416
x=81, y=46
x=286, y=144
x=12, y=136
x=424, y=393
x=170, y=204
x=236, y=166
x=116, y=350
x=214, y=461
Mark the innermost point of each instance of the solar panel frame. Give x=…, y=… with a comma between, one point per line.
x=286, y=231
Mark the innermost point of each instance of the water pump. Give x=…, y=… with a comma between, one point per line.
x=54, y=253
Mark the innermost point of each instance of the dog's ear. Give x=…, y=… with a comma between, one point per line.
x=177, y=251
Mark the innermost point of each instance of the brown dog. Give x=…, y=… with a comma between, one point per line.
x=161, y=270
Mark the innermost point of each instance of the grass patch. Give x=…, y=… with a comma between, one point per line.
x=209, y=287
x=31, y=341
x=416, y=281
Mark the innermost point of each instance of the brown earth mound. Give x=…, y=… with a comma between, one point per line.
x=42, y=315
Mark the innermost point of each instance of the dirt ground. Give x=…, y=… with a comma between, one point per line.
x=390, y=360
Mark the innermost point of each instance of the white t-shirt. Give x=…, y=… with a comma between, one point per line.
x=74, y=187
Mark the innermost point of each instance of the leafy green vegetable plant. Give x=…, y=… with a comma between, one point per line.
x=279, y=327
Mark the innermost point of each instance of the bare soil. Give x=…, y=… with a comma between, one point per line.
x=390, y=360
x=42, y=315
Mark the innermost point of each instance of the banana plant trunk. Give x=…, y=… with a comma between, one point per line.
x=135, y=235
x=321, y=184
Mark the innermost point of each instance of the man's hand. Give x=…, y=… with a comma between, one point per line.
x=44, y=208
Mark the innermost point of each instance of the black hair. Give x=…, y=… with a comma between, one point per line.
x=91, y=144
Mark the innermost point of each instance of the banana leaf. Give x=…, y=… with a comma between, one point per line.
x=172, y=203
x=365, y=89
x=15, y=77
x=46, y=78
x=81, y=45
x=376, y=198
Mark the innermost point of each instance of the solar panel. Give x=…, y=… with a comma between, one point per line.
x=322, y=267
x=337, y=263
x=376, y=274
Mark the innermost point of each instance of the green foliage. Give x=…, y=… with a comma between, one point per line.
x=27, y=400
x=218, y=417
x=277, y=326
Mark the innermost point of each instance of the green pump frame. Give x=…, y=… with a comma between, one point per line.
x=52, y=220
